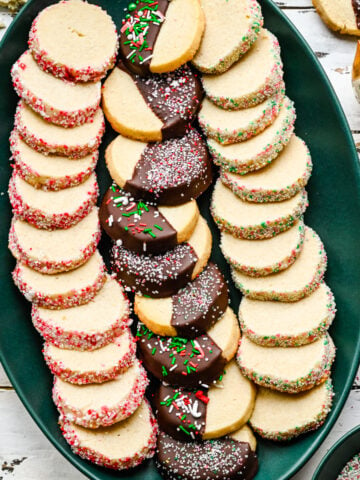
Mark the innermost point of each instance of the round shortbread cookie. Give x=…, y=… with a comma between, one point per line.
x=170, y=31
x=64, y=103
x=101, y=404
x=144, y=227
x=355, y=74
x=245, y=434
x=281, y=416
x=292, y=284
x=339, y=15
x=48, y=209
x=153, y=108
x=96, y=366
x=259, y=258
x=257, y=76
x=280, y=324
x=89, y=326
x=49, y=172
x=169, y=173
x=260, y=150
x=255, y=221
x=209, y=412
x=280, y=180
x=121, y=446
x=231, y=28
x=234, y=126
x=211, y=460
x=191, y=311
x=163, y=275
x=190, y=363
x=290, y=370
x=62, y=290
x=55, y=251
x=65, y=41
x=49, y=138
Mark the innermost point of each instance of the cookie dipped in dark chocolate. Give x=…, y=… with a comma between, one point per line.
x=139, y=32
x=180, y=361
x=137, y=226
x=174, y=97
x=222, y=459
x=172, y=172
x=198, y=305
x=356, y=8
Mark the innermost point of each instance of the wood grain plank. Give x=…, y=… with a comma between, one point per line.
x=4, y=381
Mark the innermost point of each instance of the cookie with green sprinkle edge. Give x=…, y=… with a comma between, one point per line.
x=304, y=412
x=291, y=324
x=280, y=180
x=231, y=28
x=233, y=126
x=255, y=77
x=292, y=284
x=290, y=370
x=254, y=221
x=260, y=150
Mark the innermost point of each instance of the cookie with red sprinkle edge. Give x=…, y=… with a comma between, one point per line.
x=101, y=404
x=281, y=417
x=290, y=370
x=190, y=363
x=191, y=311
x=52, y=209
x=145, y=227
x=209, y=411
x=169, y=173
x=63, y=103
x=62, y=290
x=159, y=36
x=64, y=41
x=153, y=108
x=94, y=366
x=49, y=138
x=121, y=446
x=89, y=326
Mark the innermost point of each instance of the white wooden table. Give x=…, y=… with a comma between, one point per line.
x=25, y=454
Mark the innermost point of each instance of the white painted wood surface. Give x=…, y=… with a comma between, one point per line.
x=25, y=454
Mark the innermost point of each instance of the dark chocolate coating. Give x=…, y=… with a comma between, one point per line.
x=154, y=275
x=172, y=172
x=179, y=361
x=140, y=62
x=198, y=305
x=220, y=459
x=174, y=97
x=137, y=226
x=356, y=7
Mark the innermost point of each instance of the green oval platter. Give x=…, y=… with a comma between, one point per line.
x=334, y=212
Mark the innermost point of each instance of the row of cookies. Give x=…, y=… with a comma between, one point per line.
x=81, y=311
x=258, y=204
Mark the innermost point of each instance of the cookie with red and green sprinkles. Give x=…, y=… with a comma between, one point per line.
x=290, y=370
x=256, y=76
x=121, y=446
x=49, y=138
x=280, y=324
x=95, y=405
x=52, y=209
x=290, y=285
x=351, y=471
x=89, y=326
x=233, y=126
x=94, y=366
x=259, y=151
x=64, y=41
x=281, y=417
x=231, y=28
x=281, y=179
x=253, y=221
x=61, y=290
x=258, y=258
x=55, y=251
